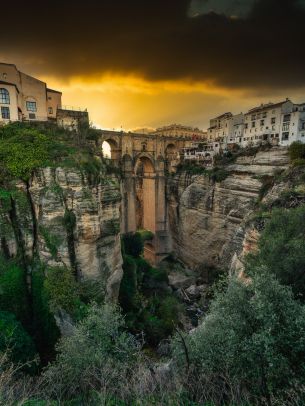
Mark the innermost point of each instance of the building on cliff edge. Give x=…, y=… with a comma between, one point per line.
x=25, y=98
x=276, y=123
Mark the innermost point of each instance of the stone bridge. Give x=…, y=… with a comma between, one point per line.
x=145, y=160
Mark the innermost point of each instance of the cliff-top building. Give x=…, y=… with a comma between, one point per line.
x=280, y=123
x=181, y=131
x=25, y=98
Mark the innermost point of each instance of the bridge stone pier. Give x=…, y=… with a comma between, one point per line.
x=145, y=161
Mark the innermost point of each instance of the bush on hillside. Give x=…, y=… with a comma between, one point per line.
x=282, y=249
x=128, y=288
x=45, y=330
x=13, y=290
x=14, y=340
x=133, y=244
x=250, y=344
x=99, y=355
x=297, y=150
x=62, y=290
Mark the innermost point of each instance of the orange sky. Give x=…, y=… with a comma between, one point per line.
x=135, y=63
x=114, y=101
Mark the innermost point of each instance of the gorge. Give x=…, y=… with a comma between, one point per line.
x=73, y=226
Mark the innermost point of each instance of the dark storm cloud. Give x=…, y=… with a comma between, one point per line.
x=161, y=39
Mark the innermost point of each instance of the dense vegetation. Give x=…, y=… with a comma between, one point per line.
x=145, y=296
x=248, y=350
x=25, y=147
x=249, y=347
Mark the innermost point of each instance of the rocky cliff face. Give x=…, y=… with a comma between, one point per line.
x=66, y=220
x=208, y=219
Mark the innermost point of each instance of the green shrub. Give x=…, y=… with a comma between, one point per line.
x=191, y=168
x=299, y=162
x=52, y=241
x=217, y=174
x=99, y=352
x=133, y=244
x=267, y=183
x=159, y=318
x=45, y=330
x=21, y=153
x=282, y=248
x=128, y=288
x=146, y=235
x=13, y=290
x=92, y=169
x=15, y=340
x=62, y=290
x=297, y=151
x=250, y=342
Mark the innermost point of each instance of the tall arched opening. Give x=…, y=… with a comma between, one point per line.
x=110, y=149
x=145, y=194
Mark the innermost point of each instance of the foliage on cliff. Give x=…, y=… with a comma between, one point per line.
x=26, y=147
x=144, y=294
x=282, y=249
x=250, y=345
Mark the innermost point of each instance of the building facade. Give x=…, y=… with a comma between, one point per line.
x=225, y=129
x=181, y=131
x=275, y=123
x=23, y=97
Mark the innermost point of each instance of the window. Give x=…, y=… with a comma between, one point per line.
x=31, y=106
x=286, y=126
x=246, y=125
x=253, y=124
x=287, y=117
x=4, y=96
x=5, y=113
x=262, y=122
x=285, y=136
x=50, y=110
x=265, y=114
x=253, y=117
x=273, y=120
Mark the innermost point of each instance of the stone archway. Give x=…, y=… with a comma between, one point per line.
x=145, y=180
x=115, y=152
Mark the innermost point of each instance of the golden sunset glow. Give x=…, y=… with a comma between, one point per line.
x=130, y=102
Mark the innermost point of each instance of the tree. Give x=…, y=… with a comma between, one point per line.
x=15, y=340
x=99, y=355
x=133, y=244
x=297, y=150
x=282, y=249
x=251, y=341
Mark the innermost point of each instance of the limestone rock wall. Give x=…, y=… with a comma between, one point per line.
x=60, y=216
x=208, y=220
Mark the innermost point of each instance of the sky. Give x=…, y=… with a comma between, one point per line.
x=148, y=63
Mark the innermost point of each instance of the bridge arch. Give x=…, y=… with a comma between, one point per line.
x=110, y=147
x=145, y=180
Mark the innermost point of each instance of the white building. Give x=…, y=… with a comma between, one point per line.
x=23, y=97
x=280, y=124
x=226, y=129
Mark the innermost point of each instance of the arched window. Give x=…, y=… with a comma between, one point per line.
x=4, y=96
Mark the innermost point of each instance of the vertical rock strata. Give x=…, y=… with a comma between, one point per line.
x=68, y=221
x=208, y=220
